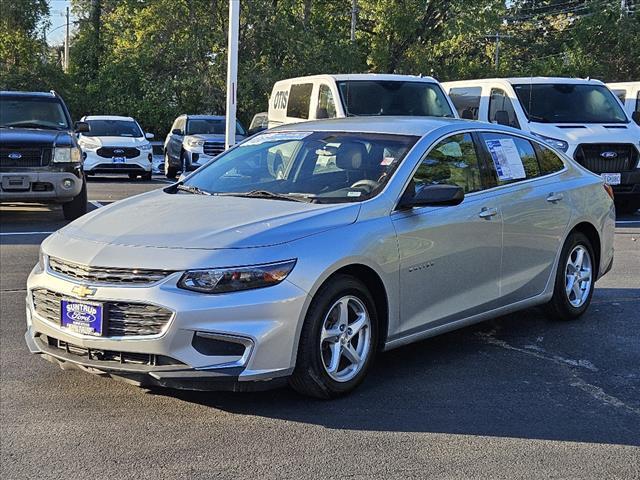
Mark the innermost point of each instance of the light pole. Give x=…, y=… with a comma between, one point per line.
x=232, y=73
x=66, y=46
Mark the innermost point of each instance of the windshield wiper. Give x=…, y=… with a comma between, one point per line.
x=192, y=189
x=271, y=195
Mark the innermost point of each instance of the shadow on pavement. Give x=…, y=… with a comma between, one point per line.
x=520, y=376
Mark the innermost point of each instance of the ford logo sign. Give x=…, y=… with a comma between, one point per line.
x=608, y=154
x=118, y=150
x=15, y=156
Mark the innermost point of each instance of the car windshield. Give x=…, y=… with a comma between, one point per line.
x=203, y=126
x=376, y=97
x=114, y=128
x=569, y=103
x=322, y=167
x=25, y=112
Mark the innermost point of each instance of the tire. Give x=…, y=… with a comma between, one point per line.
x=561, y=307
x=78, y=206
x=146, y=175
x=186, y=164
x=311, y=375
x=170, y=172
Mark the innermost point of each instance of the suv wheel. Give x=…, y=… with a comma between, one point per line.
x=78, y=206
x=186, y=164
x=169, y=171
x=575, y=279
x=338, y=340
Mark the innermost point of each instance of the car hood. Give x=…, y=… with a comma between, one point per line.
x=116, y=141
x=590, y=133
x=187, y=221
x=34, y=136
x=215, y=137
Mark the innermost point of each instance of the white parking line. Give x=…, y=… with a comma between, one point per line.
x=24, y=233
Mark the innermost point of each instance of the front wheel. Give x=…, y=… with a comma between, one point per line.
x=78, y=206
x=575, y=279
x=338, y=340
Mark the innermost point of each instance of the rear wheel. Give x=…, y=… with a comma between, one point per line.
x=338, y=340
x=169, y=171
x=575, y=279
x=78, y=206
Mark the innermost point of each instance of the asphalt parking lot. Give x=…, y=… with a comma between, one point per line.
x=516, y=397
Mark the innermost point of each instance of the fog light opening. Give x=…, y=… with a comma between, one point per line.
x=67, y=183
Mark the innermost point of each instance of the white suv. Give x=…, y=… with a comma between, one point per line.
x=116, y=145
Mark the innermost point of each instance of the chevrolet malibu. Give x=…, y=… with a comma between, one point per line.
x=309, y=248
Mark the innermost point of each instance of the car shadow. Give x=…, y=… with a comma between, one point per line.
x=521, y=375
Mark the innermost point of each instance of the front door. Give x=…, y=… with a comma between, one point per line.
x=449, y=256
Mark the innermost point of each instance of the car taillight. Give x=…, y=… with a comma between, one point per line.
x=609, y=189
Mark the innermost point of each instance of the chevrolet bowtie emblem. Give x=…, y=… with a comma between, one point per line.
x=83, y=291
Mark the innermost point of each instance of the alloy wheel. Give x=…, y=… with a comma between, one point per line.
x=578, y=276
x=345, y=338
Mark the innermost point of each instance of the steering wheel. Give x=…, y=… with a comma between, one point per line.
x=365, y=184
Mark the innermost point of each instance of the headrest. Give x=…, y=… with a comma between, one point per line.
x=351, y=156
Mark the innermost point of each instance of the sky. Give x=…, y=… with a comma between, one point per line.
x=57, y=10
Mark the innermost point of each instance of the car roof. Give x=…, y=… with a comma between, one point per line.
x=526, y=80
x=206, y=117
x=403, y=125
x=364, y=76
x=28, y=94
x=108, y=117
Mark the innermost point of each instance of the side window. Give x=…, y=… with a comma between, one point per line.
x=501, y=109
x=513, y=158
x=326, y=104
x=621, y=94
x=453, y=161
x=467, y=101
x=182, y=123
x=299, y=98
x=549, y=161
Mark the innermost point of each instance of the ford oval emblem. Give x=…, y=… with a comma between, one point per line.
x=15, y=156
x=118, y=150
x=609, y=154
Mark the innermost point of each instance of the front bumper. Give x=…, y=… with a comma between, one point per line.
x=197, y=159
x=268, y=319
x=93, y=163
x=41, y=186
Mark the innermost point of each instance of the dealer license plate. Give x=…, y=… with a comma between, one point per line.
x=119, y=159
x=82, y=317
x=611, y=178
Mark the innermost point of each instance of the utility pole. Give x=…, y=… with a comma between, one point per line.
x=496, y=38
x=232, y=73
x=354, y=14
x=66, y=45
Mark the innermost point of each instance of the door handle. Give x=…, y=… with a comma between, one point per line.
x=488, y=212
x=554, y=197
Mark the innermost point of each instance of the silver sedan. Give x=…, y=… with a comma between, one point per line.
x=300, y=253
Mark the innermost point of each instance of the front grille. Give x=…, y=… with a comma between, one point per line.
x=122, y=318
x=589, y=155
x=28, y=157
x=107, y=275
x=213, y=148
x=110, y=152
x=110, y=167
x=113, y=356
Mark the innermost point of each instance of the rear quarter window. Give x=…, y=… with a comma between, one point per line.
x=467, y=101
x=549, y=161
x=299, y=99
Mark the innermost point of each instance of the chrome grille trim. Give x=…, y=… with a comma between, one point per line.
x=107, y=275
x=213, y=148
x=123, y=319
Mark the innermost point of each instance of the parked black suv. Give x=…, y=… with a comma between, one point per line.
x=40, y=160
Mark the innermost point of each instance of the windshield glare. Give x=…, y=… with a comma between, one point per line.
x=376, y=97
x=32, y=113
x=203, y=126
x=113, y=128
x=324, y=166
x=569, y=103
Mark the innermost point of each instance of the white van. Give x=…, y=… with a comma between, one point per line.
x=579, y=117
x=330, y=96
x=629, y=95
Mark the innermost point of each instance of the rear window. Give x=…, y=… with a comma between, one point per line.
x=467, y=101
x=299, y=98
x=378, y=97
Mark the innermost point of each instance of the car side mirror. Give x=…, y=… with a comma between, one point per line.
x=149, y=135
x=433, y=196
x=81, y=127
x=635, y=116
x=177, y=131
x=502, y=117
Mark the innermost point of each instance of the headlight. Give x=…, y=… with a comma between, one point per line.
x=222, y=280
x=194, y=142
x=554, y=142
x=66, y=154
x=145, y=147
x=89, y=145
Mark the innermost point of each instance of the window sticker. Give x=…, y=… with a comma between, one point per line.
x=506, y=159
x=275, y=137
x=354, y=194
x=387, y=161
x=451, y=149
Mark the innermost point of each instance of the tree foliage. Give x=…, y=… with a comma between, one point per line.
x=156, y=59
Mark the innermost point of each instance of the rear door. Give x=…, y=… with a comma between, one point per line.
x=450, y=256
x=530, y=193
